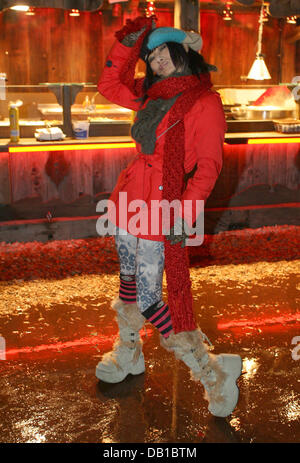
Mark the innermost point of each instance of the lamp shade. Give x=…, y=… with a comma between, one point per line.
x=259, y=70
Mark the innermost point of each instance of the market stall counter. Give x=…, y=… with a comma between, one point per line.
x=53, y=188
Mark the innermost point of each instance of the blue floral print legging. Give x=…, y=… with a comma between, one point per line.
x=144, y=259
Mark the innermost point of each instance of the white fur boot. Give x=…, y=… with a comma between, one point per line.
x=217, y=373
x=126, y=356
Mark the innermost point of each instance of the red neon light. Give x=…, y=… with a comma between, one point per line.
x=78, y=147
x=271, y=141
x=255, y=207
x=100, y=340
x=286, y=318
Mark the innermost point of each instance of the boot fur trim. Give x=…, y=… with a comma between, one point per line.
x=181, y=343
x=211, y=375
x=128, y=314
x=136, y=348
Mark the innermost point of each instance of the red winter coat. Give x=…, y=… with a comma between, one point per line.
x=142, y=180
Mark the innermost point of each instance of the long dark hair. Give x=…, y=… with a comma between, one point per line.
x=181, y=59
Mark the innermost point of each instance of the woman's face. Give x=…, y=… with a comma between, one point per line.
x=160, y=61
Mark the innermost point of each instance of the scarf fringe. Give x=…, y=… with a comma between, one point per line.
x=180, y=299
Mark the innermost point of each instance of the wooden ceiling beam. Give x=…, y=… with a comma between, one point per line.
x=81, y=5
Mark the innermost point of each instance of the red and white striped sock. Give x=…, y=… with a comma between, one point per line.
x=159, y=315
x=127, y=290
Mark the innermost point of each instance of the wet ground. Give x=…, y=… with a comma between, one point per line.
x=56, y=331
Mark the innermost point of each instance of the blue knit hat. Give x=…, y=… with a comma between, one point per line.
x=161, y=35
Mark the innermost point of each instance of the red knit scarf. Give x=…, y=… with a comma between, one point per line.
x=176, y=258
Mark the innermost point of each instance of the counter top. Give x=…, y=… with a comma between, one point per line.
x=254, y=137
x=261, y=135
x=232, y=138
x=5, y=144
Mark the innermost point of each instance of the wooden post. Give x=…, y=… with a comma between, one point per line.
x=297, y=58
x=186, y=15
x=297, y=73
x=280, y=48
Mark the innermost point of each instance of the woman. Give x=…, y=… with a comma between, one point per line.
x=179, y=131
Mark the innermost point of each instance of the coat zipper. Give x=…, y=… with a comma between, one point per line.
x=167, y=129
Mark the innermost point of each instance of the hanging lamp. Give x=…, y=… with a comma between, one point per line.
x=259, y=70
x=227, y=13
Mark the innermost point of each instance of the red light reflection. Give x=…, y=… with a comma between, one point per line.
x=102, y=341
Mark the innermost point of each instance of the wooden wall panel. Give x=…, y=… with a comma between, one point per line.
x=52, y=46
x=258, y=174
x=231, y=46
x=251, y=174
x=293, y=167
x=80, y=172
x=55, y=47
x=28, y=177
x=5, y=197
x=260, y=166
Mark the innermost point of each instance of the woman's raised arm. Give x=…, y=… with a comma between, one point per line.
x=110, y=84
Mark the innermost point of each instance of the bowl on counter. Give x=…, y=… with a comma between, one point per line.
x=261, y=112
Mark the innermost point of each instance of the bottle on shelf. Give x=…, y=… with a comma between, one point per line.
x=14, y=122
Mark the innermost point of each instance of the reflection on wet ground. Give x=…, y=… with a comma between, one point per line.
x=56, y=332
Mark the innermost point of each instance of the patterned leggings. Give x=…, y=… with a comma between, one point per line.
x=144, y=259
